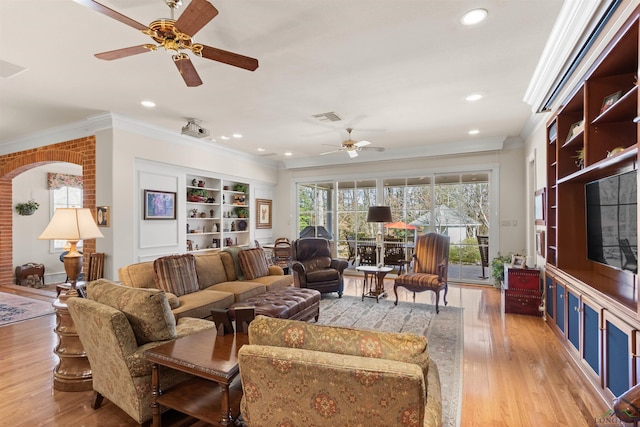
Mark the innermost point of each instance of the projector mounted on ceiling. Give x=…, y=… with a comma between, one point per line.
x=192, y=128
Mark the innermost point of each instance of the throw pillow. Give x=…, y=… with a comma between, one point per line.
x=253, y=263
x=176, y=274
x=147, y=310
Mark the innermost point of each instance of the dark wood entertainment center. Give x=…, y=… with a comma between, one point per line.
x=592, y=307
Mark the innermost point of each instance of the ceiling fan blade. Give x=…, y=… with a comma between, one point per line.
x=329, y=152
x=362, y=143
x=122, y=53
x=111, y=13
x=195, y=16
x=352, y=153
x=379, y=149
x=187, y=70
x=230, y=58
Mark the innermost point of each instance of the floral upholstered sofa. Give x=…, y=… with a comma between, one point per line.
x=297, y=373
x=197, y=284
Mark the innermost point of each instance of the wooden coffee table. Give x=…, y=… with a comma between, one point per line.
x=213, y=360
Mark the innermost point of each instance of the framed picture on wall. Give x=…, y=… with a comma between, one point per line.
x=159, y=204
x=263, y=213
x=540, y=243
x=102, y=216
x=540, y=206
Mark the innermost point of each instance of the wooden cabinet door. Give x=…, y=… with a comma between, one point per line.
x=618, y=363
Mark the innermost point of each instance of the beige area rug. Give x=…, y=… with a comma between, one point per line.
x=444, y=332
x=14, y=308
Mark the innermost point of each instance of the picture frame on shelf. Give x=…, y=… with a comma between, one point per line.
x=540, y=206
x=610, y=100
x=263, y=213
x=159, y=204
x=102, y=216
x=518, y=261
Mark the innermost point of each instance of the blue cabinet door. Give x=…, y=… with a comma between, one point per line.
x=573, y=319
x=617, y=354
x=591, y=335
x=560, y=306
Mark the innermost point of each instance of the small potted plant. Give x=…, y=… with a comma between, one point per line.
x=497, y=269
x=196, y=195
x=242, y=212
x=27, y=208
x=240, y=187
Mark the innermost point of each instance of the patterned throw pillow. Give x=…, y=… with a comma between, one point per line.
x=253, y=263
x=176, y=274
x=147, y=310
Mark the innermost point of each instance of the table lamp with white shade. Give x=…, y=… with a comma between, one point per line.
x=72, y=225
x=379, y=214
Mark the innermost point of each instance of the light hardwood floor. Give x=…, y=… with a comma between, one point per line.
x=515, y=372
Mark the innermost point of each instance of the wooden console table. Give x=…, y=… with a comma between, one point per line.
x=213, y=360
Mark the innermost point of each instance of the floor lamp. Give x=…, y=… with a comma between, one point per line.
x=73, y=372
x=379, y=214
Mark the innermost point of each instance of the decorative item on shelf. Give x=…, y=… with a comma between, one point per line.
x=194, y=213
x=194, y=182
x=203, y=215
x=216, y=243
x=217, y=227
x=228, y=241
x=242, y=225
x=211, y=213
x=27, y=208
x=239, y=199
x=615, y=151
x=579, y=158
x=196, y=195
x=242, y=212
x=200, y=183
x=610, y=100
x=197, y=247
x=240, y=187
x=233, y=226
x=211, y=200
x=225, y=188
x=189, y=245
x=575, y=129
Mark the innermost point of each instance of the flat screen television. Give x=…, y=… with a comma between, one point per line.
x=612, y=209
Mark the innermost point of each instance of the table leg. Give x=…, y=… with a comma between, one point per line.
x=155, y=391
x=225, y=408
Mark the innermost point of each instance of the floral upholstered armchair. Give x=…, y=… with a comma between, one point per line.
x=116, y=324
x=301, y=373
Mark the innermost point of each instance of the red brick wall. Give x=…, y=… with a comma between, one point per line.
x=79, y=151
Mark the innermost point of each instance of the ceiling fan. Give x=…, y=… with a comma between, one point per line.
x=175, y=36
x=352, y=147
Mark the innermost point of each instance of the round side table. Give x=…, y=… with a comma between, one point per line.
x=373, y=281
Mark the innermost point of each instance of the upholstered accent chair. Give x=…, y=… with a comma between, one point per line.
x=116, y=324
x=430, y=268
x=297, y=372
x=314, y=268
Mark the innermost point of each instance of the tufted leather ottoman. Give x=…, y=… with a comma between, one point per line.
x=284, y=303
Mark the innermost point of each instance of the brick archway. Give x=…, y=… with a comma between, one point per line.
x=79, y=151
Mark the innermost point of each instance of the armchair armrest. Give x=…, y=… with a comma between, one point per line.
x=299, y=269
x=339, y=264
x=441, y=269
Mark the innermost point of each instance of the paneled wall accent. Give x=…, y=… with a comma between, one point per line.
x=79, y=151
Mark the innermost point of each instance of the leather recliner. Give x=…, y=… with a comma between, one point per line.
x=314, y=268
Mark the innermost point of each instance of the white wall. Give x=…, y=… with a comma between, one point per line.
x=32, y=184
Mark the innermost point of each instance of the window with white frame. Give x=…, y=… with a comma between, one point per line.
x=66, y=191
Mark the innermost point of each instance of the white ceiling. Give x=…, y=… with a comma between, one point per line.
x=395, y=71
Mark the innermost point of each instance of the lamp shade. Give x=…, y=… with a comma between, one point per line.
x=379, y=214
x=71, y=224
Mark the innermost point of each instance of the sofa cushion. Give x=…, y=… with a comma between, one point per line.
x=210, y=270
x=233, y=251
x=176, y=274
x=147, y=310
x=240, y=290
x=253, y=263
x=272, y=282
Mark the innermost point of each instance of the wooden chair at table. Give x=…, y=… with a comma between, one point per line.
x=430, y=268
x=282, y=254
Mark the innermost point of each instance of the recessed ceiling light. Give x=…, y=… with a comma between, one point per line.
x=260, y=149
x=148, y=104
x=474, y=16
x=474, y=132
x=224, y=137
x=288, y=153
x=237, y=135
x=474, y=97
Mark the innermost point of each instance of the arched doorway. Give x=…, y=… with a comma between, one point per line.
x=79, y=151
